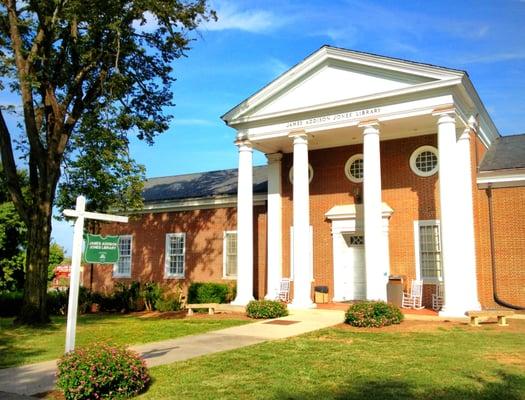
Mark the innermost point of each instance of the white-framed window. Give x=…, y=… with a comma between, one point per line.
x=229, y=269
x=175, y=255
x=310, y=174
x=427, y=236
x=311, y=249
x=424, y=161
x=354, y=168
x=122, y=269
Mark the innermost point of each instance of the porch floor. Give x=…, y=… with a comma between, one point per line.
x=344, y=307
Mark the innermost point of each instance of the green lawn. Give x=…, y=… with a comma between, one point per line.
x=22, y=345
x=338, y=363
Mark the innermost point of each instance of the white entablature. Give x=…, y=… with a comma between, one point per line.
x=335, y=88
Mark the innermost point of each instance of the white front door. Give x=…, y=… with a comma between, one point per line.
x=349, y=267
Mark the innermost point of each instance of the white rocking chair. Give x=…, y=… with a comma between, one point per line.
x=284, y=290
x=414, y=298
x=438, y=297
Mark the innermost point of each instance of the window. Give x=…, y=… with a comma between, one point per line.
x=428, y=251
x=122, y=269
x=230, y=255
x=354, y=239
x=424, y=161
x=354, y=168
x=175, y=251
x=310, y=174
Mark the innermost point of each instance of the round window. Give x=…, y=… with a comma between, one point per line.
x=310, y=174
x=424, y=161
x=354, y=168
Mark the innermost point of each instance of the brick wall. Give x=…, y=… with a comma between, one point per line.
x=204, y=247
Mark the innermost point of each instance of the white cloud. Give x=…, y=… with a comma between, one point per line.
x=276, y=67
x=150, y=24
x=193, y=122
x=231, y=17
x=493, y=57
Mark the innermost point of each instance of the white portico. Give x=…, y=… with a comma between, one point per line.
x=337, y=98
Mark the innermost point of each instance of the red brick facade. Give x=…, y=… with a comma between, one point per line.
x=410, y=196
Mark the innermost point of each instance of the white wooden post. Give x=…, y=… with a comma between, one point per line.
x=80, y=214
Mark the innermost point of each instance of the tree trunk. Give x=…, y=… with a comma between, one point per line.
x=34, y=309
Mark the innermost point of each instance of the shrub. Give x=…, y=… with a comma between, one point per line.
x=10, y=303
x=208, y=292
x=126, y=296
x=168, y=303
x=373, y=314
x=151, y=293
x=101, y=371
x=266, y=309
x=56, y=302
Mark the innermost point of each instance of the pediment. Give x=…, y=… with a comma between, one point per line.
x=334, y=76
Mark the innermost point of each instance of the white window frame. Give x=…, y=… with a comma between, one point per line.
x=311, y=252
x=224, y=255
x=349, y=163
x=167, y=274
x=116, y=273
x=414, y=156
x=417, y=250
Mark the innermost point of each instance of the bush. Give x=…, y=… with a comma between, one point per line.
x=208, y=292
x=56, y=302
x=101, y=371
x=373, y=314
x=151, y=293
x=10, y=303
x=126, y=296
x=266, y=309
x=168, y=303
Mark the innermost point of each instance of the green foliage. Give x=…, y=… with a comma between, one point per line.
x=56, y=256
x=126, y=296
x=264, y=309
x=10, y=303
x=151, y=292
x=57, y=302
x=101, y=371
x=168, y=303
x=209, y=292
x=373, y=314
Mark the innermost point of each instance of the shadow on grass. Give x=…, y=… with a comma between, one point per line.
x=508, y=386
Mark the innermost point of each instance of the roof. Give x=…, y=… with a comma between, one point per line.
x=506, y=152
x=200, y=185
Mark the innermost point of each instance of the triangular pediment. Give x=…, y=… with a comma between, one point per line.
x=333, y=76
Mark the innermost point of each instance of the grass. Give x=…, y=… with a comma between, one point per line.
x=342, y=363
x=23, y=345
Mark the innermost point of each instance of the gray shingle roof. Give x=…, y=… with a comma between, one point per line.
x=507, y=152
x=202, y=184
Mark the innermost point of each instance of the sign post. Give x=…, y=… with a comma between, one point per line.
x=80, y=214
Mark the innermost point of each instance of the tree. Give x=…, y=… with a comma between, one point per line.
x=56, y=256
x=75, y=60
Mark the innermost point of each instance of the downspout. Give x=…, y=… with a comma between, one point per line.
x=493, y=256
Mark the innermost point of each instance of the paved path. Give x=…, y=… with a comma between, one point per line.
x=40, y=377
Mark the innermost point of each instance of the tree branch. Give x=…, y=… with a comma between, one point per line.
x=8, y=162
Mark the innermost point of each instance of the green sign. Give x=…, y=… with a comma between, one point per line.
x=100, y=249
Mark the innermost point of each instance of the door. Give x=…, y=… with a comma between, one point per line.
x=353, y=274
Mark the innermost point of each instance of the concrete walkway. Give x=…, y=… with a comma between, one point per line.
x=40, y=377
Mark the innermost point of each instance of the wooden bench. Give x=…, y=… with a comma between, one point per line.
x=500, y=314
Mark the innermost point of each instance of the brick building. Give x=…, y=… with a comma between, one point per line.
x=376, y=167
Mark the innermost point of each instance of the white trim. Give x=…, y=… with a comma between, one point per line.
x=310, y=174
x=167, y=244
x=501, y=178
x=224, y=254
x=196, y=204
x=417, y=225
x=348, y=164
x=414, y=156
x=115, y=266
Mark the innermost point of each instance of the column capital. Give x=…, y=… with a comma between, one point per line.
x=299, y=136
x=473, y=123
x=445, y=114
x=244, y=145
x=370, y=126
x=274, y=157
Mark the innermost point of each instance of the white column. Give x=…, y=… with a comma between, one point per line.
x=457, y=221
x=244, y=224
x=275, y=246
x=301, y=223
x=376, y=260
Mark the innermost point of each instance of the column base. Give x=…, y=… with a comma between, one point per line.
x=271, y=296
x=242, y=301
x=458, y=310
x=302, y=305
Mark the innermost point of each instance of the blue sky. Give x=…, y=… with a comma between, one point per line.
x=255, y=41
